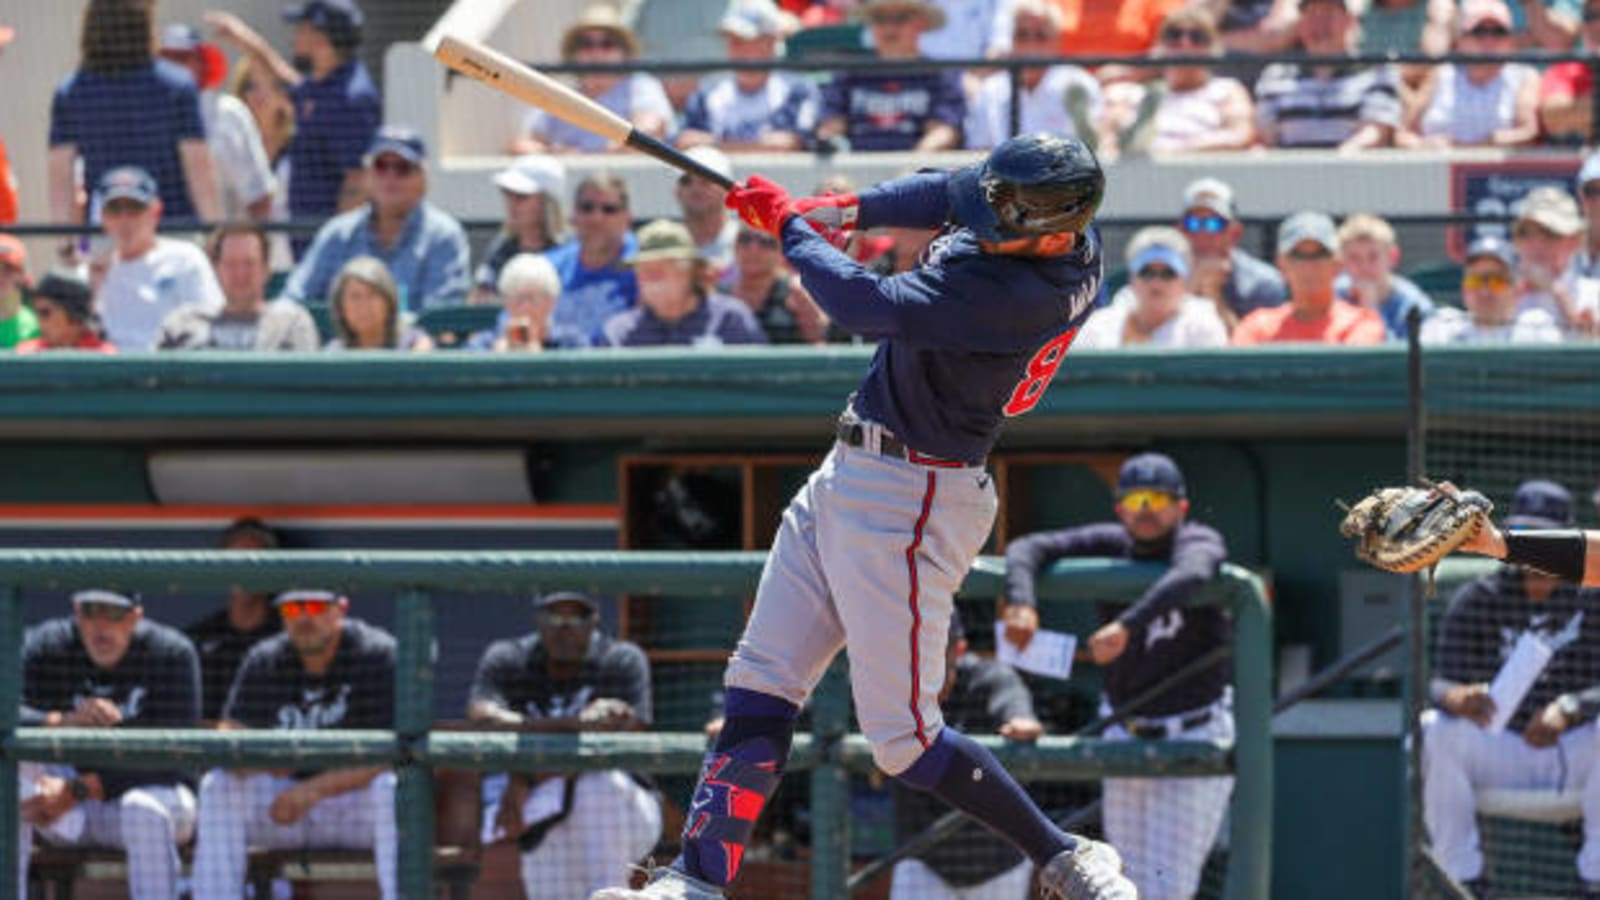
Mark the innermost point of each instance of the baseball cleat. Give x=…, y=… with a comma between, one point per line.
x=1089, y=871
x=665, y=884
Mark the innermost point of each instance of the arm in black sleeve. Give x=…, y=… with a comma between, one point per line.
x=38, y=699
x=173, y=681
x=496, y=671
x=1026, y=555
x=1197, y=552
x=634, y=683
x=248, y=701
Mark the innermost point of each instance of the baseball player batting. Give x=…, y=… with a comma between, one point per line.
x=872, y=549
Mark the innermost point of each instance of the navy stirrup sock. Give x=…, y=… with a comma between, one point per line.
x=962, y=773
x=737, y=779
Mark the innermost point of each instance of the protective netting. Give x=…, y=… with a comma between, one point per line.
x=1506, y=766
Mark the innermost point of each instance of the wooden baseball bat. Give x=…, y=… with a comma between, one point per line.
x=529, y=85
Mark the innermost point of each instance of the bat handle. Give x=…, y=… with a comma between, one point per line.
x=674, y=157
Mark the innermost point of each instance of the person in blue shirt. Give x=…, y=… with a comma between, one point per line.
x=752, y=109
x=336, y=105
x=1368, y=253
x=424, y=247
x=124, y=107
x=674, y=308
x=596, y=282
x=875, y=111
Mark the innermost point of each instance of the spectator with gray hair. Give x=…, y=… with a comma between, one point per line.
x=532, y=188
x=1156, y=307
x=366, y=311
x=1546, y=233
x=529, y=288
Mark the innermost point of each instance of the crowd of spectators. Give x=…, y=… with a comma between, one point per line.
x=156, y=131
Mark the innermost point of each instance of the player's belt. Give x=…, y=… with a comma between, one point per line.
x=854, y=434
x=1161, y=729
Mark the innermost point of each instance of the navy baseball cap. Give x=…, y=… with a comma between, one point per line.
x=306, y=595
x=128, y=183
x=1151, y=471
x=401, y=140
x=1495, y=247
x=545, y=601
x=105, y=598
x=1541, y=504
x=325, y=15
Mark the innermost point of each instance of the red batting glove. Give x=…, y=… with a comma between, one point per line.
x=762, y=205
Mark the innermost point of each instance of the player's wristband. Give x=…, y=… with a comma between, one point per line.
x=1558, y=553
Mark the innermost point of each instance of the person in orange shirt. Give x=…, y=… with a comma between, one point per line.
x=1111, y=27
x=1308, y=255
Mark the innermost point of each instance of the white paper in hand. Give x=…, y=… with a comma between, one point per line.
x=1522, y=668
x=1048, y=654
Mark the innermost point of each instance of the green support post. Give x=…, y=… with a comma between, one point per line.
x=413, y=716
x=830, y=787
x=1250, y=849
x=10, y=709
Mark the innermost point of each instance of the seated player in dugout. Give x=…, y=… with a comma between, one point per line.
x=107, y=666
x=224, y=637
x=325, y=670
x=1164, y=827
x=1549, y=740
x=577, y=833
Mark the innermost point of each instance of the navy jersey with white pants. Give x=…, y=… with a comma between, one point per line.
x=871, y=550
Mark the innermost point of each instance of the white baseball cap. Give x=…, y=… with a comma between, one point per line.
x=534, y=174
x=1210, y=193
x=712, y=158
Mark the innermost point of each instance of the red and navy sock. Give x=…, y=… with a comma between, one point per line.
x=736, y=781
x=962, y=773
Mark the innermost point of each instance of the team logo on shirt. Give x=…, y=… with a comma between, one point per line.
x=560, y=706
x=129, y=707
x=1164, y=628
x=318, y=708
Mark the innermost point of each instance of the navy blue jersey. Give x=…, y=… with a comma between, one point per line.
x=156, y=684
x=1164, y=634
x=274, y=690
x=966, y=338
x=513, y=674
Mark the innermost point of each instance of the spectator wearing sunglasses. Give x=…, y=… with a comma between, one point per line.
x=596, y=281
x=1476, y=104
x=423, y=246
x=1368, y=253
x=1566, y=90
x=1164, y=827
x=325, y=670
x=577, y=833
x=873, y=111
x=675, y=308
x=1546, y=234
x=1491, y=315
x=1233, y=280
x=1189, y=110
x=599, y=36
x=700, y=201
x=108, y=666
x=752, y=109
x=774, y=295
x=1348, y=107
x=1156, y=307
x=1308, y=255
x=1063, y=100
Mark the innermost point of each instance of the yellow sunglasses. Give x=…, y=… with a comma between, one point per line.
x=1476, y=281
x=1146, y=498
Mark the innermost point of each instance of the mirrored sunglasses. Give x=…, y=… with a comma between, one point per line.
x=296, y=609
x=1145, y=498
x=1204, y=224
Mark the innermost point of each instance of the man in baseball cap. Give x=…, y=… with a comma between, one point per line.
x=17, y=323
x=1308, y=255
x=532, y=188
x=568, y=675
x=1491, y=316
x=1547, y=232
x=336, y=103
x=150, y=275
x=424, y=247
x=752, y=109
x=1235, y=281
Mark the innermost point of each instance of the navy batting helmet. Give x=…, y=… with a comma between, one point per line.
x=1031, y=185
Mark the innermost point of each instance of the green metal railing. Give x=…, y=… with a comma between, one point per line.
x=414, y=750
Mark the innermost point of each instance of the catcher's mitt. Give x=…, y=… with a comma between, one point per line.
x=1408, y=529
